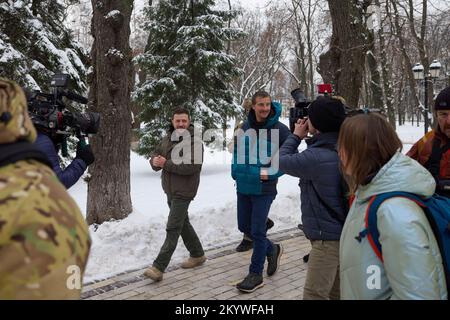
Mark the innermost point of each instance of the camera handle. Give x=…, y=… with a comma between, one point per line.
x=81, y=139
x=64, y=150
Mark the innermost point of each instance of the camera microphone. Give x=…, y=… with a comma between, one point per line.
x=75, y=97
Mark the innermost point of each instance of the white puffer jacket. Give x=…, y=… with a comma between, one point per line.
x=412, y=266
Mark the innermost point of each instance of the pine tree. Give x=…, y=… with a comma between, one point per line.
x=186, y=65
x=34, y=44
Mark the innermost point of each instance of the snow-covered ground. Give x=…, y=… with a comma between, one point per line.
x=134, y=242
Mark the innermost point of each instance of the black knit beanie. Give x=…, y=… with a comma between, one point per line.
x=442, y=101
x=326, y=114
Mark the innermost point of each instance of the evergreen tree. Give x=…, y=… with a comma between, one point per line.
x=186, y=65
x=34, y=44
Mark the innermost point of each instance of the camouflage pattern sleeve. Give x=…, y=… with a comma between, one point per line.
x=44, y=239
x=15, y=122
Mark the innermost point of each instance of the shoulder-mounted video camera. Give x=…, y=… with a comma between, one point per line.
x=50, y=115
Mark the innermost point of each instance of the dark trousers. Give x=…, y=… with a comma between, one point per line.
x=178, y=225
x=252, y=216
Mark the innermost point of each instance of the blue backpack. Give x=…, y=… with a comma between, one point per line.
x=437, y=211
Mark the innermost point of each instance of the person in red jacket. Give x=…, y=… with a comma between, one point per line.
x=433, y=150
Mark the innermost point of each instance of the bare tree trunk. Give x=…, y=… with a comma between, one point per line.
x=375, y=79
x=308, y=17
x=401, y=109
x=343, y=64
x=109, y=186
x=420, y=40
x=224, y=117
x=300, y=48
x=385, y=72
x=406, y=59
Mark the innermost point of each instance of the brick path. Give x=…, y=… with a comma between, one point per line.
x=216, y=279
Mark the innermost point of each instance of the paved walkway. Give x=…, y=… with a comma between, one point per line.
x=216, y=279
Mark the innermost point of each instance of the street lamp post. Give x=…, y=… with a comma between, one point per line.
x=434, y=71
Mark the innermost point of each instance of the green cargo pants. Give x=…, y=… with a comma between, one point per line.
x=322, y=277
x=178, y=224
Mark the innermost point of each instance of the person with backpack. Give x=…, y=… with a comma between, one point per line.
x=388, y=249
x=323, y=203
x=433, y=150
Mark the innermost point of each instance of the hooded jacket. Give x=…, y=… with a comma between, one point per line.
x=42, y=231
x=412, y=267
x=247, y=158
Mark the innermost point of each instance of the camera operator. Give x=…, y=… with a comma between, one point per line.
x=55, y=123
x=323, y=204
x=50, y=144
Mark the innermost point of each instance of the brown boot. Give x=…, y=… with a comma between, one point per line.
x=154, y=274
x=192, y=262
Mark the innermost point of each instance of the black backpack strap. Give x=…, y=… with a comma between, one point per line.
x=433, y=165
x=21, y=150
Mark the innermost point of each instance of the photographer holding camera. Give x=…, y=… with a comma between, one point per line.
x=323, y=204
x=51, y=144
x=54, y=123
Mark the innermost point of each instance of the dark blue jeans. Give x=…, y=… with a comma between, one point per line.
x=252, y=216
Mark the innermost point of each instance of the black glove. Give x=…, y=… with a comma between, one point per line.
x=85, y=154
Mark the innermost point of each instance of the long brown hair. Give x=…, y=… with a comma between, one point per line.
x=368, y=142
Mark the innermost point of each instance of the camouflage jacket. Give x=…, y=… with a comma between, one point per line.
x=44, y=240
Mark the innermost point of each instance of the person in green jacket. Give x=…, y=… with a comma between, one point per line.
x=412, y=267
x=180, y=157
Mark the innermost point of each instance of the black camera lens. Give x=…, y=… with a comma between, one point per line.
x=300, y=109
x=299, y=96
x=88, y=122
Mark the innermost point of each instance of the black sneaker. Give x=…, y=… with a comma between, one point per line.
x=306, y=258
x=245, y=245
x=273, y=261
x=269, y=224
x=251, y=282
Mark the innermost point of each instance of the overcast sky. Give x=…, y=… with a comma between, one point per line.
x=253, y=3
x=432, y=4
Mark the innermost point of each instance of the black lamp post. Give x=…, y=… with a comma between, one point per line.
x=434, y=71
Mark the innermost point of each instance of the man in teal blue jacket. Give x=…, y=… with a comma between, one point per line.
x=255, y=169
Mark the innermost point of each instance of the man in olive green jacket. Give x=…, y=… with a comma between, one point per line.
x=180, y=156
